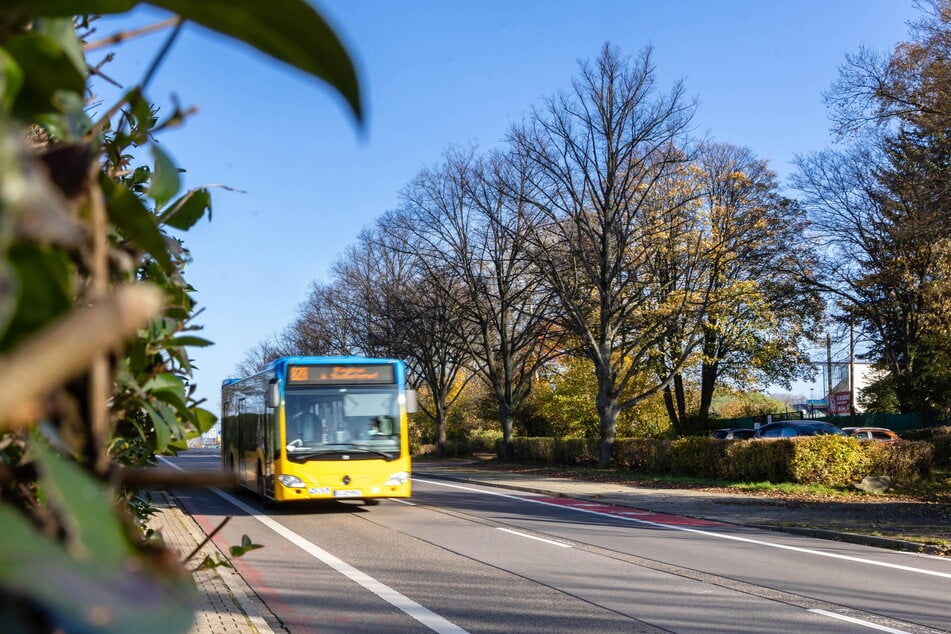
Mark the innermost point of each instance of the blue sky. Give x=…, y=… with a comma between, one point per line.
x=435, y=73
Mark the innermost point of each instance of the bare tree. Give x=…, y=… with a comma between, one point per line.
x=469, y=224
x=604, y=158
x=322, y=326
x=911, y=84
x=880, y=207
x=410, y=313
x=260, y=355
x=436, y=356
x=353, y=313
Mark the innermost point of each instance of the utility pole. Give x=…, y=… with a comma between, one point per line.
x=828, y=374
x=852, y=367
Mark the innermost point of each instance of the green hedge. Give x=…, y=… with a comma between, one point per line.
x=561, y=451
x=756, y=461
x=830, y=460
x=903, y=461
x=696, y=456
x=643, y=455
x=942, y=449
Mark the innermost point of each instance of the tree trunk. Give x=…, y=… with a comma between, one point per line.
x=708, y=383
x=672, y=414
x=681, y=395
x=505, y=416
x=607, y=413
x=440, y=427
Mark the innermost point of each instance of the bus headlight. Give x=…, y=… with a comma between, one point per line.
x=398, y=478
x=291, y=481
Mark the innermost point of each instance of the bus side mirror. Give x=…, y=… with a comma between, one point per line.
x=273, y=394
x=411, y=405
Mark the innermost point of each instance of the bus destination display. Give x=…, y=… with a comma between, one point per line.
x=339, y=374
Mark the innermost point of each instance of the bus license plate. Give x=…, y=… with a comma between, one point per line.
x=348, y=493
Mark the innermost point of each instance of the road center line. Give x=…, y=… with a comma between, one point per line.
x=851, y=619
x=697, y=531
x=540, y=539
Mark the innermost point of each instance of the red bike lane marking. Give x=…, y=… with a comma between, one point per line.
x=627, y=513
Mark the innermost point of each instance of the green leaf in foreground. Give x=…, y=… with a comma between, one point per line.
x=188, y=209
x=288, y=30
x=291, y=31
x=46, y=68
x=94, y=581
x=165, y=177
x=138, y=224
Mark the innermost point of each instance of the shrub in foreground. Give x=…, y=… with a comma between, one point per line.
x=696, y=456
x=643, y=455
x=902, y=461
x=828, y=459
x=756, y=460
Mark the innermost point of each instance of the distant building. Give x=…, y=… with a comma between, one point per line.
x=812, y=408
x=848, y=385
x=838, y=400
x=212, y=437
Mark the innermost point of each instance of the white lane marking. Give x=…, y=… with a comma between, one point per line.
x=850, y=619
x=540, y=539
x=697, y=531
x=406, y=502
x=424, y=615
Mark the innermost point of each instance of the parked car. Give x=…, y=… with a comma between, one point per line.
x=734, y=434
x=871, y=433
x=792, y=428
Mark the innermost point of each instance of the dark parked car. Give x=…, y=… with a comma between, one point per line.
x=792, y=428
x=734, y=434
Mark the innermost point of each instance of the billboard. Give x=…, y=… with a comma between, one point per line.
x=839, y=403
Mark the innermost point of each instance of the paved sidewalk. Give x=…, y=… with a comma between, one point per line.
x=223, y=606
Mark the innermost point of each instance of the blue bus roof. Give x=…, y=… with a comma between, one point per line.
x=283, y=361
x=280, y=364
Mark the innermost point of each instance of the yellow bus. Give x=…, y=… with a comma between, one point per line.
x=319, y=428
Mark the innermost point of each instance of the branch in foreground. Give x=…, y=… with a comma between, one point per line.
x=64, y=350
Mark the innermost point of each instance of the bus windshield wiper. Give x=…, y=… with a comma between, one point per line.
x=341, y=448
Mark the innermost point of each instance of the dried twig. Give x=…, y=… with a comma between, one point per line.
x=122, y=36
x=64, y=350
x=207, y=539
x=156, y=478
x=100, y=375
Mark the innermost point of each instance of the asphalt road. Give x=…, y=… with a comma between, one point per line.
x=459, y=557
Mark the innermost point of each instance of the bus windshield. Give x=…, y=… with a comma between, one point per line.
x=362, y=422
